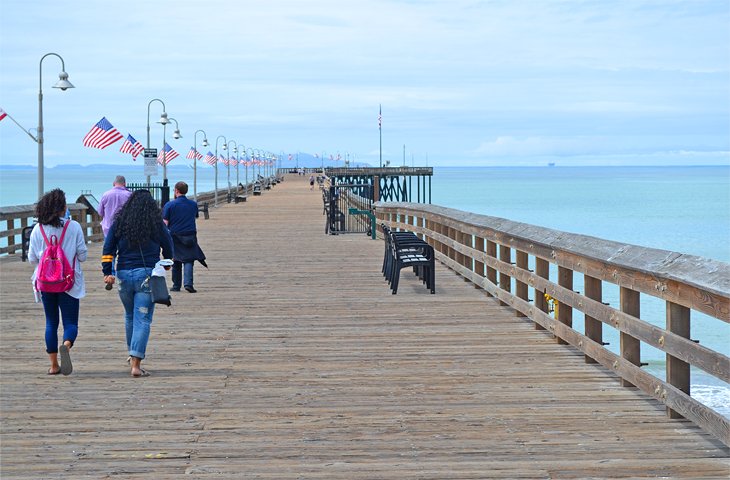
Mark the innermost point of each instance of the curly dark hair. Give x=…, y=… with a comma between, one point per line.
x=139, y=220
x=51, y=207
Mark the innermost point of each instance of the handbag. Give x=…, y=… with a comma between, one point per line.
x=158, y=286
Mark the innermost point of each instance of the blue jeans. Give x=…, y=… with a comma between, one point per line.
x=138, y=308
x=182, y=270
x=69, y=312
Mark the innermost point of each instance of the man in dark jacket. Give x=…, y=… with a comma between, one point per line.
x=179, y=215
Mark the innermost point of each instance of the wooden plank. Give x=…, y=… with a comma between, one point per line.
x=521, y=289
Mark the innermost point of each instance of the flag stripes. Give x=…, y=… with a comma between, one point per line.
x=102, y=135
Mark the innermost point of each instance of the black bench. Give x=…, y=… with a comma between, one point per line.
x=257, y=188
x=240, y=198
x=203, y=208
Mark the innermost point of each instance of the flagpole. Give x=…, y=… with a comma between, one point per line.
x=21, y=127
x=380, y=130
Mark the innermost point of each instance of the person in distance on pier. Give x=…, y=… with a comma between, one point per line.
x=179, y=215
x=111, y=202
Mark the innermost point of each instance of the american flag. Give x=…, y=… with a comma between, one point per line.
x=2, y=114
x=132, y=146
x=380, y=116
x=170, y=154
x=290, y=156
x=102, y=135
x=222, y=159
x=210, y=158
x=193, y=154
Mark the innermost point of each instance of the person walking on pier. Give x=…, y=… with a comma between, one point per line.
x=311, y=182
x=111, y=202
x=54, y=229
x=136, y=238
x=179, y=215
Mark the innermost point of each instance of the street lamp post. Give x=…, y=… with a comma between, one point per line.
x=195, y=160
x=216, y=165
x=247, y=162
x=64, y=85
x=176, y=135
x=238, y=162
x=163, y=121
x=235, y=151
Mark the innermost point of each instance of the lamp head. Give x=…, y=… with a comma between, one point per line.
x=176, y=135
x=63, y=82
x=163, y=119
x=205, y=142
x=224, y=147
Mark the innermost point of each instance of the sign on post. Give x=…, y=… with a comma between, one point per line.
x=150, y=162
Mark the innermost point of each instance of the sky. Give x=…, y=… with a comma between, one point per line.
x=461, y=82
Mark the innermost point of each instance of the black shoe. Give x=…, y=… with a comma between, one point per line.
x=108, y=286
x=175, y=289
x=190, y=289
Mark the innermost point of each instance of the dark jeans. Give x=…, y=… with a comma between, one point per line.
x=180, y=269
x=68, y=306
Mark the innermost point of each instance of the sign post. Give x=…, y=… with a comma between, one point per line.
x=150, y=163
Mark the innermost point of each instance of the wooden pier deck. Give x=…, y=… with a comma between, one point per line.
x=295, y=361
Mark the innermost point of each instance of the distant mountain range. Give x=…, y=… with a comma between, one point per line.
x=304, y=160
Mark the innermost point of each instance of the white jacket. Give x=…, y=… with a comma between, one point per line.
x=73, y=244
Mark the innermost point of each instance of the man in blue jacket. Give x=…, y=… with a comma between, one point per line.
x=179, y=215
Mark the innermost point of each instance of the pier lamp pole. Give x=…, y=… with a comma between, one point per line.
x=163, y=121
x=195, y=160
x=216, y=166
x=176, y=135
x=247, y=162
x=235, y=151
x=242, y=149
x=64, y=85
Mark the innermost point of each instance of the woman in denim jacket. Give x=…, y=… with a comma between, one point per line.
x=136, y=237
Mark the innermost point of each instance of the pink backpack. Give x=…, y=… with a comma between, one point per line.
x=55, y=274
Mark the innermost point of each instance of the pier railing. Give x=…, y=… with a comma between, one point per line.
x=17, y=217
x=14, y=219
x=513, y=261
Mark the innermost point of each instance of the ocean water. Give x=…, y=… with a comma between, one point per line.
x=683, y=209
x=18, y=186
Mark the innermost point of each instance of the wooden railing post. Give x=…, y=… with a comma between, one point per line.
x=565, y=312
x=521, y=287
x=479, y=245
x=542, y=269
x=594, y=328
x=505, y=281
x=491, y=271
x=678, y=322
x=630, y=346
x=420, y=223
x=11, y=238
x=451, y=233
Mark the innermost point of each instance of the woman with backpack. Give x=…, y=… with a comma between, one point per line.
x=57, y=248
x=136, y=237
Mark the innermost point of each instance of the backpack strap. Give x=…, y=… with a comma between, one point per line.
x=63, y=233
x=48, y=244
